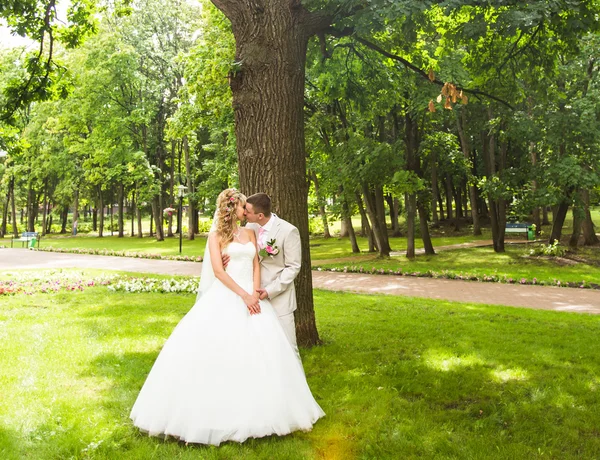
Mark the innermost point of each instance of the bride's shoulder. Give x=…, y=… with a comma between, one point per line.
x=250, y=233
x=214, y=236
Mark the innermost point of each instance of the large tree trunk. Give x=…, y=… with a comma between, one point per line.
x=268, y=101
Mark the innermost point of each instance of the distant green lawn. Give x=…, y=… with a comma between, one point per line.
x=397, y=377
x=514, y=263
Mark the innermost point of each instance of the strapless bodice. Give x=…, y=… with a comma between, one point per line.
x=242, y=258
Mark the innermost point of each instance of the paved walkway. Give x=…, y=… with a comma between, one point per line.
x=538, y=297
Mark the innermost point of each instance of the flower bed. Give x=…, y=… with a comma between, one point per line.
x=48, y=281
x=184, y=285
x=450, y=275
x=110, y=252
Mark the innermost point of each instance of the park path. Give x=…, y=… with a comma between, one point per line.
x=537, y=297
x=362, y=258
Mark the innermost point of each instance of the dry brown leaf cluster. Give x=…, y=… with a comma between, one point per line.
x=451, y=95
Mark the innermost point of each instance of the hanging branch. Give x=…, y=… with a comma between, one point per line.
x=424, y=74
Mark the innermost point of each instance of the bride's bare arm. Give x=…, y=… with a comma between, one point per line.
x=216, y=258
x=256, y=263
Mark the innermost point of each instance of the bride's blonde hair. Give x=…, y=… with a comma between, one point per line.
x=227, y=203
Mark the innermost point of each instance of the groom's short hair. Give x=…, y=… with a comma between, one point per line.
x=261, y=203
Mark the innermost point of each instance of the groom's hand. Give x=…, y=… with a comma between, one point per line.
x=262, y=294
x=225, y=259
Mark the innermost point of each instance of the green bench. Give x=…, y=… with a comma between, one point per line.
x=525, y=229
x=29, y=238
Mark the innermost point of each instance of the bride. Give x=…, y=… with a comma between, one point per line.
x=228, y=371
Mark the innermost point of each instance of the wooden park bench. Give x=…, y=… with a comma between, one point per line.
x=27, y=238
x=525, y=229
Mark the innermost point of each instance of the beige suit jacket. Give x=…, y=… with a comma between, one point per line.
x=277, y=273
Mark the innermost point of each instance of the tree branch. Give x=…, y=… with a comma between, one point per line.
x=424, y=74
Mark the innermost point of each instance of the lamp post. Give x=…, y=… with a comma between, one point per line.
x=181, y=193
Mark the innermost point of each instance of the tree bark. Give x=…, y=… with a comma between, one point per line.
x=394, y=206
x=589, y=232
x=382, y=247
x=5, y=214
x=121, y=215
x=138, y=214
x=75, y=209
x=347, y=219
x=158, y=217
x=268, y=102
x=578, y=217
x=321, y=204
x=441, y=203
x=45, y=211
x=449, y=193
x=467, y=153
x=133, y=209
x=378, y=199
x=101, y=208
x=364, y=223
x=31, y=203
x=435, y=193
x=411, y=205
x=190, y=185
x=64, y=216
x=344, y=227
x=425, y=236
x=558, y=221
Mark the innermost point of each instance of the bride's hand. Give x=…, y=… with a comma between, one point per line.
x=252, y=303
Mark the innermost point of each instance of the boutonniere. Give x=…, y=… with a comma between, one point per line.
x=270, y=249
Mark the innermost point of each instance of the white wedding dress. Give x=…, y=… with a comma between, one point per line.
x=224, y=375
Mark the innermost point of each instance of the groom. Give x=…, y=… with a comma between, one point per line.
x=280, y=258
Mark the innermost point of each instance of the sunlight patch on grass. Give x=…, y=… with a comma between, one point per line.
x=335, y=444
x=445, y=362
x=594, y=384
x=503, y=375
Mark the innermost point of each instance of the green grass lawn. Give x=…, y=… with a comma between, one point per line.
x=514, y=263
x=397, y=377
